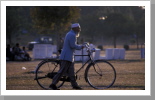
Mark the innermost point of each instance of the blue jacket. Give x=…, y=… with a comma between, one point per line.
x=69, y=47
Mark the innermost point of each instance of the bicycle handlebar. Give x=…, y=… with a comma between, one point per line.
x=88, y=48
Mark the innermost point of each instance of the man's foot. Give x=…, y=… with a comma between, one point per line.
x=77, y=87
x=52, y=86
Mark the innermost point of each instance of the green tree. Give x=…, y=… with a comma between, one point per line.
x=112, y=21
x=116, y=24
x=12, y=22
x=90, y=22
x=16, y=20
x=138, y=16
x=134, y=24
x=54, y=19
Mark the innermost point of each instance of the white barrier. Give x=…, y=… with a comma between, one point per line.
x=54, y=47
x=122, y=53
x=114, y=53
x=96, y=55
x=110, y=54
x=42, y=51
x=84, y=52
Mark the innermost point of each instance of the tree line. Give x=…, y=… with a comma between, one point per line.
x=96, y=21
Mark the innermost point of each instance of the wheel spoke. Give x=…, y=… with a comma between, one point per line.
x=99, y=72
x=100, y=75
x=48, y=69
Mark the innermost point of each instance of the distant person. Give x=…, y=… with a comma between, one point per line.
x=9, y=53
x=17, y=50
x=67, y=57
x=26, y=55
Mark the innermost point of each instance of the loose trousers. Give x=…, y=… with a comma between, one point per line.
x=66, y=68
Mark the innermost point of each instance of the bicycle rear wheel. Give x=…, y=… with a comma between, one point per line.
x=100, y=75
x=46, y=71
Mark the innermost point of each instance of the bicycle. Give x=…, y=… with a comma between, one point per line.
x=99, y=74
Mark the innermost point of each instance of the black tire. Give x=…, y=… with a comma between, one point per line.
x=45, y=71
x=104, y=76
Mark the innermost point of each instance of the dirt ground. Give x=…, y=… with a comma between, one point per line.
x=130, y=74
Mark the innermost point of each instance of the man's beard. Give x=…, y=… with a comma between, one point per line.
x=77, y=34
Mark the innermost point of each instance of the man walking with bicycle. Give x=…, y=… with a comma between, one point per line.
x=67, y=57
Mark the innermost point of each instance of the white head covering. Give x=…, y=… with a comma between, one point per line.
x=75, y=25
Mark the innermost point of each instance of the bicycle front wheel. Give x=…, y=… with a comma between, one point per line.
x=100, y=74
x=45, y=72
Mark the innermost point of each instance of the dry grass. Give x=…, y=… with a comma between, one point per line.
x=130, y=74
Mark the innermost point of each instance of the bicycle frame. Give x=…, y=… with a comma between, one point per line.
x=89, y=60
x=95, y=65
